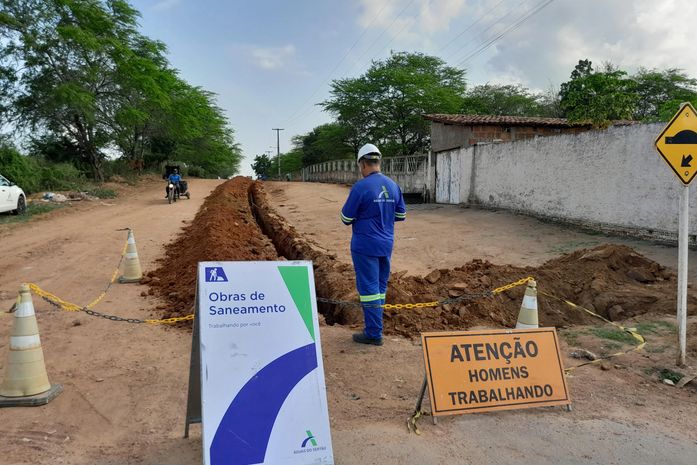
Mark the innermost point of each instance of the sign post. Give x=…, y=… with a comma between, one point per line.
x=490, y=370
x=677, y=144
x=263, y=395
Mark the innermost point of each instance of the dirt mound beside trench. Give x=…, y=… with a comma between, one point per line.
x=615, y=281
x=223, y=230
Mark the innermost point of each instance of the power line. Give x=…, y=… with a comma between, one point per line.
x=485, y=30
x=469, y=27
x=511, y=28
x=399, y=15
x=329, y=75
x=382, y=34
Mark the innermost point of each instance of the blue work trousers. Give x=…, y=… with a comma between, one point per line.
x=372, y=274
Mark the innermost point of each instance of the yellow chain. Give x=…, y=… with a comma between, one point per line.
x=419, y=305
x=436, y=303
x=71, y=307
x=169, y=321
x=520, y=282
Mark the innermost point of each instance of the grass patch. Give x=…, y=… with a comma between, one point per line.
x=613, y=334
x=655, y=327
x=102, y=193
x=33, y=209
x=665, y=373
x=652, y=349
x=612, y=345
x=570, y=336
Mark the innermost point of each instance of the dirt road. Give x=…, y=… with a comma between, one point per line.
x=125, y=385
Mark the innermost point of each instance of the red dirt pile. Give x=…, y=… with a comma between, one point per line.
x=223, y=230
x=612, y=280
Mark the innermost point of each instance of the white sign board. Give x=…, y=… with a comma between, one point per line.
x=262, y=380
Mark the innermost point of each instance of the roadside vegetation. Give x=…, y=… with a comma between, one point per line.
x=385, y=105
x=87, y=97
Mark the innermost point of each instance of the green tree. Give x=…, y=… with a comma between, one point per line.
x=325, y=142
x=598, y=96
x=68, y=84
x=79, y=71
x=513, y=100
x=661, y=93
x=262, y=166
x=385, y=105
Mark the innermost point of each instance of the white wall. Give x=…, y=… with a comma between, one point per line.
x=610, y=179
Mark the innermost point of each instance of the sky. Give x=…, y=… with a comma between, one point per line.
x=271, y=61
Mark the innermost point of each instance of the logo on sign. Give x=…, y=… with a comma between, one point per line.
x=310, y=438
x=215, y=274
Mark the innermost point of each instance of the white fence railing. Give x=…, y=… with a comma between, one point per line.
x=408, y=171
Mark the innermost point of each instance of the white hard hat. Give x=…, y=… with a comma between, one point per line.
x=370, y=152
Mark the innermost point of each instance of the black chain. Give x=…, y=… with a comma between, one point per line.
x=111, y=317
x=98, y=314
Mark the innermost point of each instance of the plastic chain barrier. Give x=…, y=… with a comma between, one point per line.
x=71, y=307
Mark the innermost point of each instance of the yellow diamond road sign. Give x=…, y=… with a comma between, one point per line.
x=677, y=144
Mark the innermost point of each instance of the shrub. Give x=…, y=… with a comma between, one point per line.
x=196, y=171
x=21, y=170
x=102, y=193
x=61, y=177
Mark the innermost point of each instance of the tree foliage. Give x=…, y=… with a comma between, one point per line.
x=598, y=96
x=79, y=71
x=385, y=105
x=510, y=100
x=661, y=93
x=262, y=166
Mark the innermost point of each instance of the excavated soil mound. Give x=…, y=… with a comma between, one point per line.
x=223, y=230
x=612, y=280
x=237, y=223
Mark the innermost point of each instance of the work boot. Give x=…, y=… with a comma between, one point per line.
x=361, y=338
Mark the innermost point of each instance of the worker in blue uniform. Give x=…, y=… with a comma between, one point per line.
x=373, y=205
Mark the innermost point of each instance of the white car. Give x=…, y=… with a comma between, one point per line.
x=12, y=198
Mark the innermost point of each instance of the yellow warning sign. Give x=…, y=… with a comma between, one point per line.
x=480, y=371
x=677, y=144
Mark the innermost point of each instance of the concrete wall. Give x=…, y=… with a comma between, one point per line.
x=610, y=180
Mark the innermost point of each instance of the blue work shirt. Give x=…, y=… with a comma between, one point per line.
x=373, y=205
x=174, y=178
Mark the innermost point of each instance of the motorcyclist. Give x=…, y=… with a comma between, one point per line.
x=174, y=179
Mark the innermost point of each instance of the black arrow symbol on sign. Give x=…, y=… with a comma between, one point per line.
x=686, y=160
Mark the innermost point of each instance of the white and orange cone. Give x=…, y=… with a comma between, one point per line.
x=26, y=381
x=527, y=317
x=132, y=272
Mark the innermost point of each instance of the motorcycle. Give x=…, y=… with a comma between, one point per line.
x=176, y=191
x=172, y=192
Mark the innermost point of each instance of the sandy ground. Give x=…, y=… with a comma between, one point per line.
x=125, y=385
x=446, y=236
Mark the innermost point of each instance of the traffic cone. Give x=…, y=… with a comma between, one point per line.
x=132, y=273
x=527, y=318
x=26, y=381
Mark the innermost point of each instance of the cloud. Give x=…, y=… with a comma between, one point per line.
x=641, y=33
x=426, y=16
x=271, y=58
x=164, y=5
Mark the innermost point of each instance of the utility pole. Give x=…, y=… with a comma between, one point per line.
x=278, y=149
